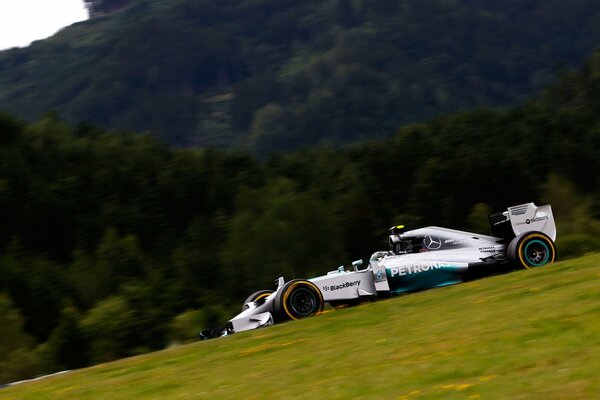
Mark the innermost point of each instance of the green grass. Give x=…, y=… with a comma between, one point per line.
x=531, y=334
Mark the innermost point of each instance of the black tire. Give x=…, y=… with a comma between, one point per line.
x=531, y=250
x=259, y=296
x=298, y=299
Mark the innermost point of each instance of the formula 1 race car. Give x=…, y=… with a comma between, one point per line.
x=523, y=237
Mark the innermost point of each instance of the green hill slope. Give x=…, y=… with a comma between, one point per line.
x=527, y=335
x=279, y=74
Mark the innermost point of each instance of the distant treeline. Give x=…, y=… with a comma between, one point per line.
x=100, y=7
x=114, y=244
x=273, y=75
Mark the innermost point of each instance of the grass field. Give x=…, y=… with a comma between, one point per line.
x=531, y=334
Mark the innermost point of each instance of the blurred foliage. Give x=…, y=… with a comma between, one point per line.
x=478, y=218
x=100, y=7
x=271, y=233
x=284, y=74
x=17, y=359
x=108, y=239
x=575, y=244
x=579, y=231
x=184, y=327
x=67, y=347
x=107, y=326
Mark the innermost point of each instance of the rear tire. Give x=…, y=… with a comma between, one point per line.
x=298, y=299
x=531, y=250
x=259, y=296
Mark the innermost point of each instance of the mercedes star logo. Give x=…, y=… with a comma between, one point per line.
x=432, y=243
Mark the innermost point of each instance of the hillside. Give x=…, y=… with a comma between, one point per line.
x=526, y=335
x=281, y=74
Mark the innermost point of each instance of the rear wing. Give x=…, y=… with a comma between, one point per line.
x=523, y=218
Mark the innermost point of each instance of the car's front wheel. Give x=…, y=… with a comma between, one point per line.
x=259, y=297
x=298, y=299
x=531, y=249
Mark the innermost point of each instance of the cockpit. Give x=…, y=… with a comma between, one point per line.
x=405, y=244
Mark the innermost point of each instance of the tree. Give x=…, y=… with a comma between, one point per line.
x=16, y=357
x=107, y=327
x=115, y=261
x=279, y=231
x=100, y=7
x=67, y=347
x=269, y=127
x=478, y=218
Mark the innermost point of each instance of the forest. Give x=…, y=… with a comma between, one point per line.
x=98, y=8
x=114, y=243
x=272, y=75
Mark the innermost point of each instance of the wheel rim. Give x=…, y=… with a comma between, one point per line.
x=303, y=302
x=537, y=253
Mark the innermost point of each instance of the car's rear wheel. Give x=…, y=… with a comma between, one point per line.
x=258, y=297
x=531, y=250
x=298, y=299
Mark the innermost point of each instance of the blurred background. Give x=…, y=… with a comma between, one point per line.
x=163, y=159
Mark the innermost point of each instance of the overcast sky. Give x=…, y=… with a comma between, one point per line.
x=23, y=21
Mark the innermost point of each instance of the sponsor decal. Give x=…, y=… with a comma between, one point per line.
x=432, y=243
x=416, y=268
x=340, y=286
x=536, y=219
x=490, y=249
x=528, y=221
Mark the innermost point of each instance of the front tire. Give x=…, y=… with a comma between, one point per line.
x=531, y=250
x=259, y=296
x=298, y=299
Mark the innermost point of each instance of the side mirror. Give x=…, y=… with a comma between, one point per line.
x=357, y=264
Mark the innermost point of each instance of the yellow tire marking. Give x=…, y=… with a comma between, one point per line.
x=262, y=296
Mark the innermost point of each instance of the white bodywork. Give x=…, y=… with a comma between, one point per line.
x=248, y=319
x=529, y=217
x=346, y=285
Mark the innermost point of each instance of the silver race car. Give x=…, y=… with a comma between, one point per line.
x=523, y=237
